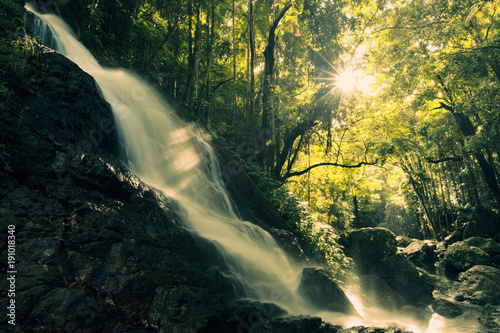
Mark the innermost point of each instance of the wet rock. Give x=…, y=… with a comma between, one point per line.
x=367, y=246
x=480, y=285
x=296, y=324
x=461, y=256
x=59, y=301
x=252, y=205
x=421, y=254
x=378, y=293
x=306, y=324
x=446, y=308
x=318, y=287
x=362, y=329
x=405, y=279
x=488, y=245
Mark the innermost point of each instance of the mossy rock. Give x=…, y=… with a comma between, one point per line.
x=461, y=257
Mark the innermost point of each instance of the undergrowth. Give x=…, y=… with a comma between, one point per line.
x=320, y=238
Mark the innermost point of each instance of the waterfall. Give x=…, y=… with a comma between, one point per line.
x=176, y=158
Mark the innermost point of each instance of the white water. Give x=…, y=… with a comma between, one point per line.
x=175, y=157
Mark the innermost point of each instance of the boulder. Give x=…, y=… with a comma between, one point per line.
x=404, y=278
x=461, y=256
x=377, y=293
x=446, y=308
x=319, y=289
x=367, y=246
x=296, y=324
x=306, y=324
x=421, y=253
x=488, y=245
x=479, y=285
x=404, y=241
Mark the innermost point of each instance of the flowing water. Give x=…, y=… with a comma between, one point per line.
x=175, y=158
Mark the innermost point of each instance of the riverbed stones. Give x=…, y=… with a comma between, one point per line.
x=446, y=308
x=461, y=256
x=480, y=285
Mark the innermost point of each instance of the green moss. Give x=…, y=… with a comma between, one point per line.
x=462, y=257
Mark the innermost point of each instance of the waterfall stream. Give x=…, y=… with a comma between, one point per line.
x=176, y=158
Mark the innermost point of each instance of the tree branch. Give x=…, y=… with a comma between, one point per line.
x=409, y=28
x=298, y=173
x=445, y=159
x=221, y=83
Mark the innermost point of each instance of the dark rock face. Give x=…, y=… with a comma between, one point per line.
x=296, y=324
x=480, y=285
x=323, y=292
x=313, y=324
x=367, y=246
x=404, y=278
x=461, y=256
x=446, y=308
x=97, y=250
x=252, y=205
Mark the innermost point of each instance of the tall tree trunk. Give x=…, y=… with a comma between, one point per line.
x=235, y=97
x=355, y=203
x=467, y=128
x=194, y=62
x=206, y=79
x=251, y=93
x=268, y=73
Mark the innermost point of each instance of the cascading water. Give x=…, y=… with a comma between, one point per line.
x=175, y=158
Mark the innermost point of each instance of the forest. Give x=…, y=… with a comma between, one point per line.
x=347, y=113
x=250, y=165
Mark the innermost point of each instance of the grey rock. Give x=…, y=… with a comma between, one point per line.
x=404, y=278
x=318, y=287
x=446, y=308
x=461, y=256
x=480, y=285
x=367, y=246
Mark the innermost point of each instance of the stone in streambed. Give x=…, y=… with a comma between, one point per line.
x=480, y=285
x=446, y=308
x=318, y=287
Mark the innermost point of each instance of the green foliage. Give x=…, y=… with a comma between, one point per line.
x=426, y=168
x=4, y=158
